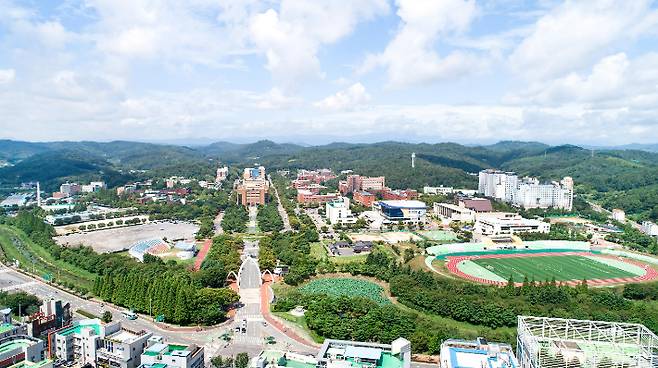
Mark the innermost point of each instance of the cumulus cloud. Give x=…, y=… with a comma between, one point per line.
x=7, y=76
x=575, y=33
x=615, y=80
x=411, y=57
x=346, y=99
x=290, y=37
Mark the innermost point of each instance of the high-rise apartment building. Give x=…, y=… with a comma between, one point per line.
x=526, y=192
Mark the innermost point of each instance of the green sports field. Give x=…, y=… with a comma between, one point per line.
x=544, y=268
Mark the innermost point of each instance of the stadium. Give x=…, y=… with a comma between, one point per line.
x=565, y=261
x=544, y=342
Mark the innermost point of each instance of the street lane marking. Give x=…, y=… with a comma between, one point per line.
x=19, y=286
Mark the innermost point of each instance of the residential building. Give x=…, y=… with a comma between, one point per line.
x=308, y=197
x=338, y=211
x=504, y=223
x=619, y=215
x=22, y=351
x=527, y=192
x=402, y=211
x=476, y=353
x=253, y=188
x=222, y=174
x=497, y=184
x=79, y=341
x=393, y=195
x=162, y=355
x=438, y=190
x=649, y=228
x=122, y=348
x=454, y=212
x=364, y=198
x=477, y=205
x=355, y=183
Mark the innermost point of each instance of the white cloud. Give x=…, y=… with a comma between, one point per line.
x=575, y=33
x=291, y=37
x=347, y=99
x=410, y=58
x=7, y=76
x=615, y=80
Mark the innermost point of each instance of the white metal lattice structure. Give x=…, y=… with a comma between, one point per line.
x=545, y=342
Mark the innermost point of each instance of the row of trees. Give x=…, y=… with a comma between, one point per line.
x=268, y=215
x=235, y=219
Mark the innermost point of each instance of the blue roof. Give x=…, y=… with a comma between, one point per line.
x=143, y=245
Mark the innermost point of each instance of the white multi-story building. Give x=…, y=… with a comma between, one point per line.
x=649, y=228
x=93, y=186
x=527, y=192
x=79, y=341
x=163, y=355
x=122, y=348
x=503, y=223
x=338, y=211
x=453, y=212
x=438, y=190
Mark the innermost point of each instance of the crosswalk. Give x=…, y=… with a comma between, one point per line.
x=247, y=340
x=18, y=286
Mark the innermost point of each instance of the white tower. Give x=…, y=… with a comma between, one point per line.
x=38, y=195
x=413, y=159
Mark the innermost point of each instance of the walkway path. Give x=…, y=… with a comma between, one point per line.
x=205, y=248
x=282, y=211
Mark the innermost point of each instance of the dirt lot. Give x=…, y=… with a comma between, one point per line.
x=113, y=240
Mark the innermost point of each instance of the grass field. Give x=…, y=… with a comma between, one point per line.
x=340, y=286
x=544, y=268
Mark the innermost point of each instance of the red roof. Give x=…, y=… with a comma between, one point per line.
x=478, y=205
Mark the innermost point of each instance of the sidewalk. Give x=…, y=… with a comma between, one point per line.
x=202, y=254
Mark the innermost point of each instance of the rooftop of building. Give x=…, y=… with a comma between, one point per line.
x=125, y=336
x=77, y=328
x=28, y=364
x=167, y=349
x=477, y=353
x=477, y=204
x=354, y=354
x=404, y=203
x=5, y=327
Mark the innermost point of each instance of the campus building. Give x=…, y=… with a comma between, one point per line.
x=355, y=183
x=308, y=197
x=162, y=355
x=364, y=198
x=476, y=353
x=222, y=174
x=52, y=315
x=399, y=195
x=649, y=228
x=22, y=351
x=503, y=223
x=315, y=176
x=7, y=328
x=453, y=212
x=527, y=192
x=438, y=190
x=618, y=215
x=338, y=211
x=79, y=341
x=121, y=348
x=402, y=211
x=252, y=189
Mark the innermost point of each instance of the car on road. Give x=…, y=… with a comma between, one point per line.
x=129, y=315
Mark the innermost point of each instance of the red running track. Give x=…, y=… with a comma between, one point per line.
x=650, y=272
x=202, y=254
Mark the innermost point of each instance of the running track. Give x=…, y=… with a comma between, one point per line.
x=650, y=272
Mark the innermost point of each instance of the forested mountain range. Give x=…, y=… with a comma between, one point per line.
x=613, y=176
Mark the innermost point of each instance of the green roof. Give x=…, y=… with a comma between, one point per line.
x=13, y=344
x=171, y=348
x=6, y=327
x=28, y=364
x=79, y=327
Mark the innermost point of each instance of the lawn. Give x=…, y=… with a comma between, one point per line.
x=343, y=286
x=544, y=268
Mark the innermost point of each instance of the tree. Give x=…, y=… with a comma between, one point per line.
x=241, y=360
x=106, y=317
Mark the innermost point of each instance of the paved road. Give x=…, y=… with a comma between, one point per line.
x=252, y=224
x=217, y=222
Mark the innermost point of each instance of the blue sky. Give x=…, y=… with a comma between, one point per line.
x=583, y=72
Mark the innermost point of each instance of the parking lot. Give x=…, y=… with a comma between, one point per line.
x=118, y=239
